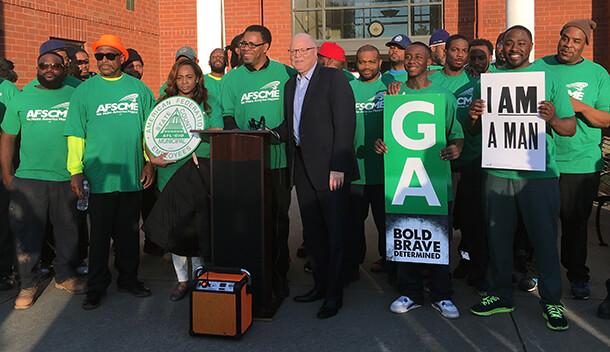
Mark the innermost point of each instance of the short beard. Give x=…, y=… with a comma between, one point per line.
x=218, y=69
x=57, y=83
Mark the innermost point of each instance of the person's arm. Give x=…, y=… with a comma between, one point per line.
x=7, y=150
x=343, y=107
x=227, y=102
x=76, y=151
x=596, y=117
x=562, y=126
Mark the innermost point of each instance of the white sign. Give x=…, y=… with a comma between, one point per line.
x=168, y=127
x=513, y=134
x=417, y=239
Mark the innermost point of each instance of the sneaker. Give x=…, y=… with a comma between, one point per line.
x=491, y=305
x=26, y=297
x=580, y=290
x=6, y=283
x=447, y=309
x=528, y=284
x=73, y=285
x=403, y=304
x=555, y=319
x=82, y=268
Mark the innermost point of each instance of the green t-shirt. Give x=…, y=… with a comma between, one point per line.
x=68, y=81
x=40, y=116
x=214, y=87
x=164, y=174
x=589, y=83
x=493, y=68
x=369, y=127
x=110, y=116
x=555, y=93
x=435, y=68
x=251, y=94
x=453, y=129
x=390, y=76
x=7, y=91
x=462, y=86
x=350, y=76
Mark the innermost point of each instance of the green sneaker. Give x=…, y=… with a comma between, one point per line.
x=555, y=319
x=491, y=305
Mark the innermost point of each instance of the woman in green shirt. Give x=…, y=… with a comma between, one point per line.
x=179, y=221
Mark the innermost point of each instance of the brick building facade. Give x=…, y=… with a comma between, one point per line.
x=156, y=28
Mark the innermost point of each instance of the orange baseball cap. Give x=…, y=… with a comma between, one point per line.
x=112, y=41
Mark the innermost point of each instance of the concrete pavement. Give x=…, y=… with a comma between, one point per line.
x=124, y=323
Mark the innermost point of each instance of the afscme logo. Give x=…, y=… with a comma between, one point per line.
x=58, y=112
x=127, y=104
x=374, y=104
x=268, y=92
x=464, y=99
x=577, y=90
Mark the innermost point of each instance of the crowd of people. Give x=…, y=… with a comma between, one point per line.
x=72, y=137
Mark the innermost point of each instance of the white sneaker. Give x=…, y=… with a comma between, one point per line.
x=447, y=309
x=403, y=304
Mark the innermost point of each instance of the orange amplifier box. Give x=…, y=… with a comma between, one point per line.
x=221, y=302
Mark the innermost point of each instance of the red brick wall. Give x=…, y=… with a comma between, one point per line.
x=177, y=28
x=277, y=16
x=26, y=24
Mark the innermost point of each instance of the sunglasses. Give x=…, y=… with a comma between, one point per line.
x=109, y=56
x=43, y=66
x=82, y=62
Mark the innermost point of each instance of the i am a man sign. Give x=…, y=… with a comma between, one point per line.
x=513, y=134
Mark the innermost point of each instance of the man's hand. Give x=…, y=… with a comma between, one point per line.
x=380, y=147
x=148, y=175
x=477, y=108
x=76, y=183
x=335, y=180
x=160, y=160
x=394, y=88
x=546, y=109
x=7, y=180
x=578, y=105
x=451, y=152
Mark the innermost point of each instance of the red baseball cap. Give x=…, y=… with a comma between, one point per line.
x=333, y=51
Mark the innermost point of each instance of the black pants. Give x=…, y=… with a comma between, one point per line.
x=325, y=221
x=410, y=276
x=7, y=242
x=361, y=197
x=114, y=215
x=577, y=194
x=469, y=214
x=31, y=201
x=280, y=203
x=538, y=202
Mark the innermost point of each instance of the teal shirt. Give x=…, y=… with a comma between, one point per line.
x=394, y=76
x=589, y=83
x=250, y=94
x=369, y=127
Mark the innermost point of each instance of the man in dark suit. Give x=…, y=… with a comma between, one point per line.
x=319, y=131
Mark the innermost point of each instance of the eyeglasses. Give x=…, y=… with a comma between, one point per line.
x=109, y=56
x=302, y=51
x=82, y=62
x=43, y=66
x=250, y=45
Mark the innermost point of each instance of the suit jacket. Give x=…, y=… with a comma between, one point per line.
x=328, y=123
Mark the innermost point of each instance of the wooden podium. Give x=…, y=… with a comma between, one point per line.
x=240, y=203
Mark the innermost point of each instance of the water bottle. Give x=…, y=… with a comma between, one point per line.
x=83, y=203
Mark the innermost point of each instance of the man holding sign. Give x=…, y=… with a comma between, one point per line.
x=410, y=243
x=510, y=191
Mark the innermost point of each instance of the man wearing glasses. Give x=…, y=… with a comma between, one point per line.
x=59, y=47
x=319, y=129
x=41, y=185
x=105, y=132
x=81, y=58
x=252, y=91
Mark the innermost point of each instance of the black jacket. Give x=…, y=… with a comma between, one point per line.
x=328, y=123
